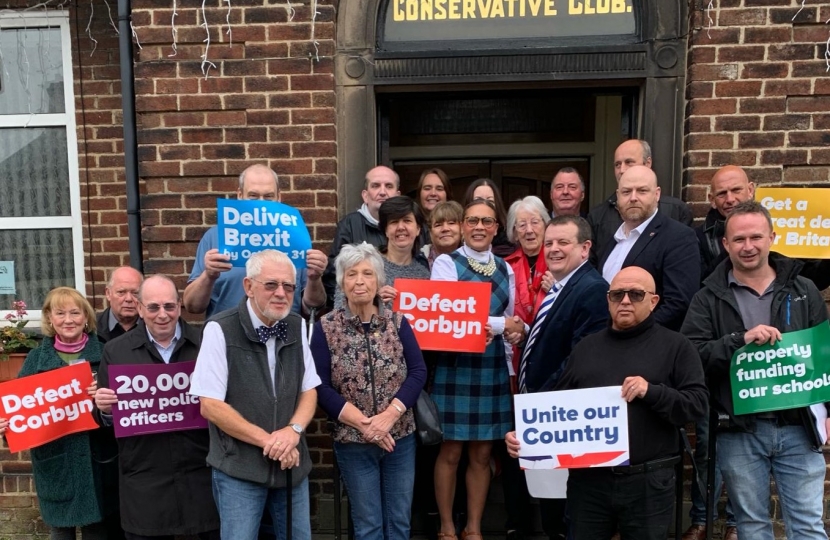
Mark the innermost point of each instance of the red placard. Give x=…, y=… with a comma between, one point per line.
x=44, y=407
x=445, y=315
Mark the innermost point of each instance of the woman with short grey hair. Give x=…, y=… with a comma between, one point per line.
x=372, y=372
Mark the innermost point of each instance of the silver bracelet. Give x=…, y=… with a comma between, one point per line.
x=400, y=411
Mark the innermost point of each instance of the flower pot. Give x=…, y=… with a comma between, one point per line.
x=11, y=367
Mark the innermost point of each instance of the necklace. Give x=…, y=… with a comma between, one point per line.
x=483, y=269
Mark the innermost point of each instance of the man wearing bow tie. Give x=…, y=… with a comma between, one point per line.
x=573, y=308
x=256, y=381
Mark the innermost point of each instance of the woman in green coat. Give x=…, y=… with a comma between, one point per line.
x=76, y=475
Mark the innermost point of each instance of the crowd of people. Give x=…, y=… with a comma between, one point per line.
x=626, y=295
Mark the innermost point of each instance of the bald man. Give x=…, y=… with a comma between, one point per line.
x=648, y=238
x=662, y=380
x=605, y=217
x=122, y=296
x=729, y=187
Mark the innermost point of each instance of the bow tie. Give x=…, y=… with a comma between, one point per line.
x=279, y=331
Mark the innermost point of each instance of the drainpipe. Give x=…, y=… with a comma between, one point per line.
x=130, y=138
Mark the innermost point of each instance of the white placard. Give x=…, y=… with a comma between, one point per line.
x=547, y=483
x=572, y=428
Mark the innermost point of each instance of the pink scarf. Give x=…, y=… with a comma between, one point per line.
x=71, y=348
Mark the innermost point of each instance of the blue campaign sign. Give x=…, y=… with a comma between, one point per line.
x=246, y=227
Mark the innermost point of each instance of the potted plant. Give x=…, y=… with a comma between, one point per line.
x=15, y=343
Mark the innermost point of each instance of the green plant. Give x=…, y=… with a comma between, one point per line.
x=13, y=339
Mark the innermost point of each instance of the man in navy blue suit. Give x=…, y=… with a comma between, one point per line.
x=665, y=248
x=574, y=307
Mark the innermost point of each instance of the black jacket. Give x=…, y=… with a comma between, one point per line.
x=605, y=219
x=712, y=253
x=352, y=229
x=714, y=325
x=102, y=322
x=165, y=482
x=668, y=251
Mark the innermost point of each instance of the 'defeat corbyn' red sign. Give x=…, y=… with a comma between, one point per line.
x=44, y=407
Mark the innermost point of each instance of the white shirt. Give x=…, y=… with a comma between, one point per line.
x=443, y=269
x=166, y=352
x=624, y=244
x=210, y=377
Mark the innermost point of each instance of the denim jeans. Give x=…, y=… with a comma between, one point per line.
x=747, y=459
x=241, y=504
x=379, y=485
x=697, y=514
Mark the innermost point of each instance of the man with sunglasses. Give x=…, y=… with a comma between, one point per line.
x=165, y=488
x=662, y=381
x=753, y=297
x=215, y=285
x=256, y=381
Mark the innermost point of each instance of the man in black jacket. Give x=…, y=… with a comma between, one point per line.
x=753, y=297
x=605, y=218
x=362, y=225
x=164, y=482
x=731, y=186
x=122, y=296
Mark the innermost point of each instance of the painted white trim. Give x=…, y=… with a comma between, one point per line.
x=33, y=120
x=25, y=223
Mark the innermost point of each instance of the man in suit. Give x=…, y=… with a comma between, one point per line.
x=605, y=217
x=122, y=296
x=647, y=238
x=573, y=308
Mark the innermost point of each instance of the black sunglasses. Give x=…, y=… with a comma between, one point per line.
x=634, y=295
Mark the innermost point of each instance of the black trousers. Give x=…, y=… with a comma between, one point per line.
x=210, y=535
x=640, y=505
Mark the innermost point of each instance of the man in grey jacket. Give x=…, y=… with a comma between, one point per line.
x=256, y=381
x=754, y=297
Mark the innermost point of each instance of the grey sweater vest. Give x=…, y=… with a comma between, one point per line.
x=252, y=395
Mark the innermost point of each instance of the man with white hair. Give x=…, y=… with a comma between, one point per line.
x=256, y=381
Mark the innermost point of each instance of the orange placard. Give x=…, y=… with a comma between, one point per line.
x=445, y=315
x=44, y=407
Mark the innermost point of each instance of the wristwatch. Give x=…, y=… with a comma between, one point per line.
x=298, y=429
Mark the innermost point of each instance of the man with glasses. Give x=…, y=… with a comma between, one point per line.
x=649, y=239
x=256, y=381
x=662, y=381
x=214, y=285
x=122, y=296
x=753, y=297
x=164, y=486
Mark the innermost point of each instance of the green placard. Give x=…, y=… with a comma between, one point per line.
x=795, y=372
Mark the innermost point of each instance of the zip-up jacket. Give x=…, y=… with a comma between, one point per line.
x=714, y=325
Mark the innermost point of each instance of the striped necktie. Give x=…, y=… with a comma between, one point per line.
x=534, y=333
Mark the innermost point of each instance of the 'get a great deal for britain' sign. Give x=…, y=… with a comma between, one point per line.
x=445, y=315
x=246, y=227
x=800, y=219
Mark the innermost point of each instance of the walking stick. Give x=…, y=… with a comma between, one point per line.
x=289, y=488
x=710, y=471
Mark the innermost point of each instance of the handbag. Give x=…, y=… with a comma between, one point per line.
x=427, y=423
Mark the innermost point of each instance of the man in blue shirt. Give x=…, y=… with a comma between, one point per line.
x=214, y=285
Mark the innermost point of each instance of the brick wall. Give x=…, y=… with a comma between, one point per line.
x=758, y=94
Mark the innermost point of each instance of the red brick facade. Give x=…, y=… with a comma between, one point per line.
x=758, y=95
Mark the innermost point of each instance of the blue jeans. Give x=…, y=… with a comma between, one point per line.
x=380, y=486
x=697, y=514
x=241, y=504
x=747, y=459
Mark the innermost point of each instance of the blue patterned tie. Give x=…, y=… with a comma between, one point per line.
x=534, y=333
x=279, y=330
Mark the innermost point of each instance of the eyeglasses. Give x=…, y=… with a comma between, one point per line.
x=486, y=222
x=272, y=286
x=634, y=295
x=170, y=307
x=524, y=225
x=121, y=293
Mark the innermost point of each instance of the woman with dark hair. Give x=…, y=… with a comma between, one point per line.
x=472, y=391
x=433, y=188
x=486, y=189
x=401, y=220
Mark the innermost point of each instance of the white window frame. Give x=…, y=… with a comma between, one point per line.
x=74, y=221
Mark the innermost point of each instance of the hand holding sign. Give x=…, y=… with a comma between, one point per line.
x=762, y=334
x=216, y=263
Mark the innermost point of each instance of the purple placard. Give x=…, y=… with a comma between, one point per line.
x=153, y=398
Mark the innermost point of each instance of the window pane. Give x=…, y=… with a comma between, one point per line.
x=34, y=172
x=43, y=260
x=31, y=71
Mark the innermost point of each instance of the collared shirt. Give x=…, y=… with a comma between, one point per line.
x=754, y=307
x=624, y=244
x=166, y=352
x=564, y=281
x=112, y=322
x=210, y=378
